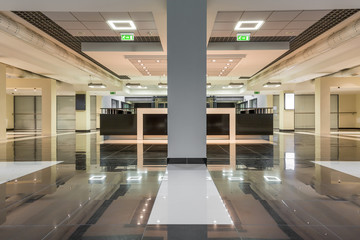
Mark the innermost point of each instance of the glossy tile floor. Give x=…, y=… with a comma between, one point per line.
x=99, y=190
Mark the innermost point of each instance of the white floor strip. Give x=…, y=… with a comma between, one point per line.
x=348, y=167
x=13, y=170
x=188, y=196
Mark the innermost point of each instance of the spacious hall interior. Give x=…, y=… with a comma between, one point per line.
x=179, y=119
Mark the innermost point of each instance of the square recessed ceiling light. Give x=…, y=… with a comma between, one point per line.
x=121, y=24
x=248, y=25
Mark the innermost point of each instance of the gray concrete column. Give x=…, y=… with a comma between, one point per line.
x=186, y=47
x=322, y=107
x=3, y=102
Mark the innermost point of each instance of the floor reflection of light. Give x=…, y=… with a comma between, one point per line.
x=134, y=178
x=97, y=178
x=289, y=161
x=272, y=179
x=235, y=179
x=163, y=178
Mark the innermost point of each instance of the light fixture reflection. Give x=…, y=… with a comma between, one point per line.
x=272, y=179
x=289, y=161
x=134, y=178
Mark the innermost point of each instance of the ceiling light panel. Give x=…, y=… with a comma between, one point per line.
x=248, y=25
x=121, y=24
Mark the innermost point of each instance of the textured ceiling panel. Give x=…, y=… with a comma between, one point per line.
x=45, y=24
x=326, y=22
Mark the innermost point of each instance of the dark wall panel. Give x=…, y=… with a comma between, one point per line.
x=225, y=105
x=254, y=124
x=142, y=105
x=118, y=124
x=155, y=124
x=217, y=124
x=80, y=100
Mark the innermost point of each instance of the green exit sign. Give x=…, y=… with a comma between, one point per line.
x=243, y=37
x=127, y=37
x=112, y=93
x=256, y=92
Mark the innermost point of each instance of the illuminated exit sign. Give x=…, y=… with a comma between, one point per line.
x=243, y=37
x=127, y=37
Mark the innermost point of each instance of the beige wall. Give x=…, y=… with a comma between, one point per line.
x=357, y=115
x=286, y=117
x=347, y=111
x=10, y=111
x=48, y=88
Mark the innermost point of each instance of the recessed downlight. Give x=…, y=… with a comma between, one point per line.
x=248, y=25
x=121, y=24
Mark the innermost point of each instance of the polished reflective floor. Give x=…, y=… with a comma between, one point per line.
x=76, y=186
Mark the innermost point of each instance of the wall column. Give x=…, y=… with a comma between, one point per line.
x=98, y=110
x=83, y=116
x=48, y=114
x=10, y=111
x=269, y=101
x=357, y=109
x=322, y=107
x=3, y=102
x=186, y=20
x=286, y=117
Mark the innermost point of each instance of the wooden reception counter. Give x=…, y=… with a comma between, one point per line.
x=153, y=121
